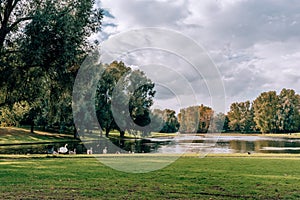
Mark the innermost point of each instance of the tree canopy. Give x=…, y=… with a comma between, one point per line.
x=123, y=99
x=42, y=44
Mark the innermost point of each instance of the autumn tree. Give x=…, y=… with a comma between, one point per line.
x=195, y=119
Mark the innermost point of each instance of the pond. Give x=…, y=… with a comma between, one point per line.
x=234, y=144
x=179, y=144
x=218, y=144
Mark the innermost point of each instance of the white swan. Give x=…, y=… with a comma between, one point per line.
x=104, y=151
x=89, y=151
x=63, y=149
x=72, y=152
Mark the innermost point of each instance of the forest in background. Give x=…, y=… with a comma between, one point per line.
x=268, y=113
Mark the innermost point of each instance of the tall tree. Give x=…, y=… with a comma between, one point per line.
x=265, y=112
x=126, y=93
x=241, y=117
x=42, y=44
x=107, y=83
x=288, y=111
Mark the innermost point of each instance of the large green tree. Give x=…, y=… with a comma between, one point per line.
x=42, y=45
x=265, y=112
x=107, y=83
x=288, y=118
x=241, y=117
x=123, y=99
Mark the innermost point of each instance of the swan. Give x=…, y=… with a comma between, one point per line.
x=89, y=151
x=104, y=151
x=72, y=152
x=63, y=149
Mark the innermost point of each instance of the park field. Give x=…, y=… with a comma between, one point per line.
x=190, y=177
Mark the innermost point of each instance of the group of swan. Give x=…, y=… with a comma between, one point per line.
x=64, y=150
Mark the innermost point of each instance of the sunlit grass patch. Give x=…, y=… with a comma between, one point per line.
x=14, y=135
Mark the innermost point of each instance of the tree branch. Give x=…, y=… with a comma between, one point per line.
x=18, y=21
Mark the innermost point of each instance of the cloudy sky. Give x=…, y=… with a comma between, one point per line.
x=254, y=44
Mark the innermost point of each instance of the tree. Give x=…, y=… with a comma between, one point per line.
x=288, y=111
x=123, y=99
x=107, y=83
x=195, y=119
x=265, y=112
x=205, y=117
x=169, y=120
x=241, y=117
x=42, y=44
x=220, y=123
x=188, y=119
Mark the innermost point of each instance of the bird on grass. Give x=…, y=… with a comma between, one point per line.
x=63, y=149
x=104, y=151
x=89, y=151
x=72, y=152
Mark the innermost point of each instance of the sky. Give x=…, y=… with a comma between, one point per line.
x=253, y=44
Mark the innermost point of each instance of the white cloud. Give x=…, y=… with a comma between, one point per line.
x=255, y=44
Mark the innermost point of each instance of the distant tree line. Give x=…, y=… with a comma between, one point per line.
x=268, y=113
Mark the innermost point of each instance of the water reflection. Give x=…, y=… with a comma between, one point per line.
x=179, y=144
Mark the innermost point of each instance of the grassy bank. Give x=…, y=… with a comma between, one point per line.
x=20, y=135
x=187, y=178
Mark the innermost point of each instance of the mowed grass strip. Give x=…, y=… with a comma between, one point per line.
x=187, y=178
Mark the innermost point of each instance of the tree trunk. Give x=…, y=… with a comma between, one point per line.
x=122, y=134
x=75, y=134
x=106, y=132
x=32, y=126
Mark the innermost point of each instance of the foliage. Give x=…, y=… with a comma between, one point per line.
x=195, y=119
x=11, y=116
x=42, y=44
x=123, y=99
x=240, y=117
x=265, y=108
x=269, y=113
x=220, y=123
x=170, y=122
x=288, y=111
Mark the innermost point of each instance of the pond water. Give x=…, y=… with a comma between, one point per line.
x=235, y=144
x=218, y=144
x=180, y=144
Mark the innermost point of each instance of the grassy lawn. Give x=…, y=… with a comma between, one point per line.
x=82, y=177
x=18, y=135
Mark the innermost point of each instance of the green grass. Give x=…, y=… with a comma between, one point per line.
x=18, y=135
x=82, y=177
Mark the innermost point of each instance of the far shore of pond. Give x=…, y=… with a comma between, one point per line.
x=19, y=135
